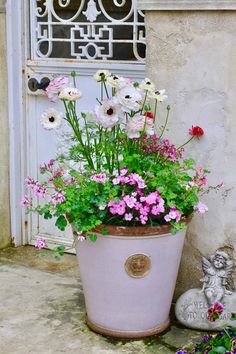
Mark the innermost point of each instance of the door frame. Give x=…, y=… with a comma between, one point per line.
x=19, y=67
x=16, y=50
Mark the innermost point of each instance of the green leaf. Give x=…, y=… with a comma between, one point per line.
x=57, y=258
x=218, y=350
x=61, y=223
x=233, y=316
x=104, y=231
x=93, y=237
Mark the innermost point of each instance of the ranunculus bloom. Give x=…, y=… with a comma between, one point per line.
x=108, y=113
x=160, y=95
x=118, y=82
x=147, y=85
x=130, y=98
x=196, y=131
x=70, y=94
x=51, y=119
x=149, y=115
x=55, y=86
x=101, y=75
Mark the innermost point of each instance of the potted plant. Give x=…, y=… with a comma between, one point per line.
x=128, y=194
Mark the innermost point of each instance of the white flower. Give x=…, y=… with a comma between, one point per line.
x=51, y=119
x=159, y=95
x=101, y=75
x=134, y=126
x=149, y=128
x=70, y=94
x=130, y=98
x=118, y=82
x=147, y=85
x=80, y=236
x=138, y=124
x=201, y=208
x=108, y=113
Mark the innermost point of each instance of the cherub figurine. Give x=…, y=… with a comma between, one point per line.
x=216, y=272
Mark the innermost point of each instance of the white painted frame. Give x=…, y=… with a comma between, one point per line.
x=16, y=46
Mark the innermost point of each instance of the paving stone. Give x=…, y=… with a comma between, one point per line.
x=43, y=312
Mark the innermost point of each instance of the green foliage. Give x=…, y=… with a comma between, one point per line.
x=61, y=222
x=93, y=237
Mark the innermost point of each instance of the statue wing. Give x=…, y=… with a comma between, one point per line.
x=207, y=267
x=229, y=268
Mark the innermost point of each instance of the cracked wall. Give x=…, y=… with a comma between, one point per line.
x=193, y=55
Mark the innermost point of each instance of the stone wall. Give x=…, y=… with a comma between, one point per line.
x=4, y=141
x=193, y=55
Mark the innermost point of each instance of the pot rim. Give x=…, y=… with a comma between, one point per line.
x=133, y=231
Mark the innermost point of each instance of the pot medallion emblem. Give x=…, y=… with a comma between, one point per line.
x=138, y=265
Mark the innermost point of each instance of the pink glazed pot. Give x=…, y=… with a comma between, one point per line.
x=129, y=278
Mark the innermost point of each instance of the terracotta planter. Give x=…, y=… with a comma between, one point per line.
x=129, y=279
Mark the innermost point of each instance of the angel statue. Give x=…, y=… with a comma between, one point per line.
x=216, y=273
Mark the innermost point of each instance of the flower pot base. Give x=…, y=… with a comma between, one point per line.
x=126, y=334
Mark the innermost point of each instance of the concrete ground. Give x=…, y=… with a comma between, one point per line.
x=42, y=311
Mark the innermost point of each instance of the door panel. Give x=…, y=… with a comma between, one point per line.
x=43, y=145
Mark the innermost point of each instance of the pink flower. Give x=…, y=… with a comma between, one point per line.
x=123, y=171
x=99, y=178
x=152, y=198
x=144, y=210
x=120, y=179
x=143, y=219
x=134, y=178
x=117, y=208
x=130, y=201
x=138, y=205
x=46, y=167
x=25, y=201
x=40, y=243
x=55, y=87
x=58, y=197
x=174, y=214
x=201, y=208
x=39, y=191
x=199, y=170
x=102, y=207
x=29, y=182
x=58, y=173
x=80, y=236
x=158, y=209
x=128, y=217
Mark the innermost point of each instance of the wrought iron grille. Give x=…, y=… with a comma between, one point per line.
x=100, y=30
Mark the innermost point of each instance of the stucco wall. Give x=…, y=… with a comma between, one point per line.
x=4, y=143
x=193, y=55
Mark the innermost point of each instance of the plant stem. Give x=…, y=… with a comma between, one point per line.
x=106, y=89
x=166, y=122
x=188, y=141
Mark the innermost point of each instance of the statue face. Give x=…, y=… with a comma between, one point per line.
x=219, y=262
